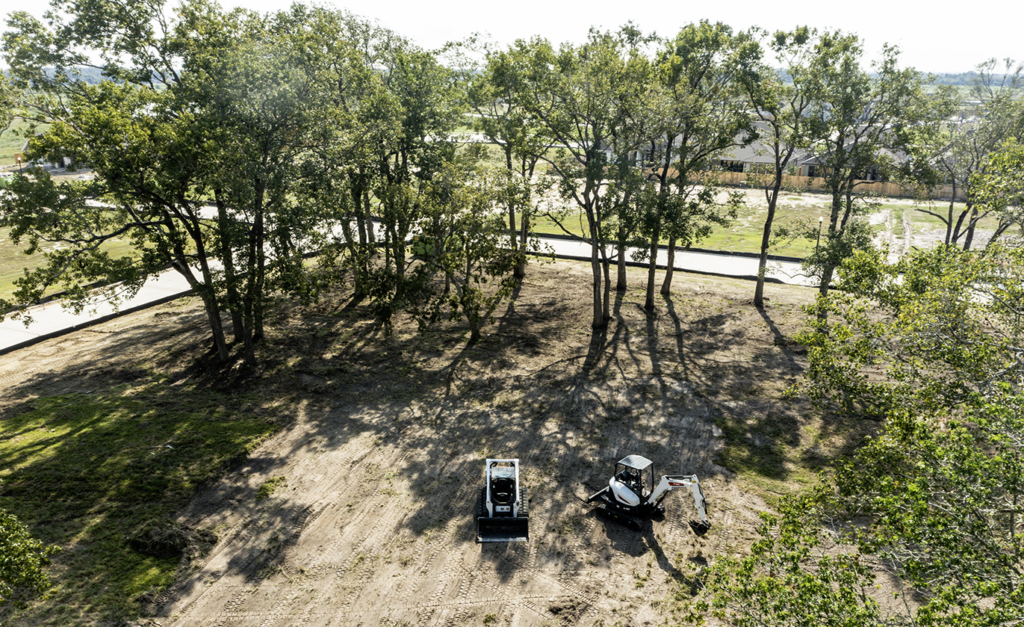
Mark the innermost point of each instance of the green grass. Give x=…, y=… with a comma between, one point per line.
x=268, y=487
x=12, y=141
x=744, y=233
x=14, y=262
x=84, y=471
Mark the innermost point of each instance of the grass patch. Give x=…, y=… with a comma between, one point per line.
x=268, y=487
x=744, y=233
x=12, y=140
x=85, y=471
x=14, y=262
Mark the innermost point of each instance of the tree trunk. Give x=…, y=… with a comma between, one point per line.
x=762, y=260
x=949, y=221
x=1000, y=229
x=205, y=292
x=524, y=229
x=595, y=265
x=230, y=278
x=826, y=279
x=254, y=279
x=620, y=283
x=666, y=286
x=970, y=228
x=652, y=268
x=606, y=312
x=216, y=327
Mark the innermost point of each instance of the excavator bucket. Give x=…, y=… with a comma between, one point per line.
x=699, y=527
x=502, y=529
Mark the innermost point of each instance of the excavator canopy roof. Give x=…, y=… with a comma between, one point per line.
x=635, y=461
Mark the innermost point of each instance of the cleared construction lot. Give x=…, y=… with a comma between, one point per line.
x=379, y=459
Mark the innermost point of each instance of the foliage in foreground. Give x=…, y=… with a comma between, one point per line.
x=22, y=560
x=924, y=524
x=922, y=527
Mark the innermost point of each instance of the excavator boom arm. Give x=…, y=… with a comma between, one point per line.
x=671, y=482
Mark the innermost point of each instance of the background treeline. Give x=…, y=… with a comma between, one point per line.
x=94, y=76
x=271, y=157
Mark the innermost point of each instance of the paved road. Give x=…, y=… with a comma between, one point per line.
x=51, y=320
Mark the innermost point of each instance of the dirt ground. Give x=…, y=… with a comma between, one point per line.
x=383, y=457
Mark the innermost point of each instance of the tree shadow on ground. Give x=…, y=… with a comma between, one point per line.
x=409, y=418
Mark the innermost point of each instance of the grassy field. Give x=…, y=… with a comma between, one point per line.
x=13, y=261
x=12, y=141
x=744, y=233
x=86, y=470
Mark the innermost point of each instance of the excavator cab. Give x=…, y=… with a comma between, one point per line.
x=637, y=473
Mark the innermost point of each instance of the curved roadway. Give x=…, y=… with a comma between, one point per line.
x=51, y=320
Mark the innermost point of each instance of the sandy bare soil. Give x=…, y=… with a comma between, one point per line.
x=384, y=457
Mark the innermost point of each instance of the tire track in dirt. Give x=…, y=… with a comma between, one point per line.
x=303, y=521
x=22, y=369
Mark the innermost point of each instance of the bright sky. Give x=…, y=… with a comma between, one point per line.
x=934, y=37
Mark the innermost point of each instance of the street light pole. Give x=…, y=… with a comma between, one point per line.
x=818, y=241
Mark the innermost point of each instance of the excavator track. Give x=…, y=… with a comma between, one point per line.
x=634, y=523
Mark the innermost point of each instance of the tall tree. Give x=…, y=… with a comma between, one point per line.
x=999, y=188
x=347, y=166
x=505, y=122
x=207, y=105
x=931, y=345
x=861, y=123
x=581, y=97
x=423, y=97
x=702, y=118
x=976, y=133
x=469, y=246
x=781, y=104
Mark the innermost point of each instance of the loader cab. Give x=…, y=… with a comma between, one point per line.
x=503, y=484
x=637, y=473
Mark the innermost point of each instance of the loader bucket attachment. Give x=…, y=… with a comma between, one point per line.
x=502, y=529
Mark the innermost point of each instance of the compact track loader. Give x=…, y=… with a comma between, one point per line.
x=632, y=495
x=502, y=510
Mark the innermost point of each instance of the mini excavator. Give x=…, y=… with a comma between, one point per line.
x=632, y=496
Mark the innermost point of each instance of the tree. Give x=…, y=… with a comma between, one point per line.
x=950, y=331
x=934, y=499
x=582, y=99
x=344, y=171
x=211, y=106
x=859, y=123
x=467, y=243
x=264, y=106
x=801, y=572
x=7, y=99
x=963, y=153
x=410, y=118
x=999, y=188
x=703, y=117
x=22, y=560
x=781, y=105
x=505, y=122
